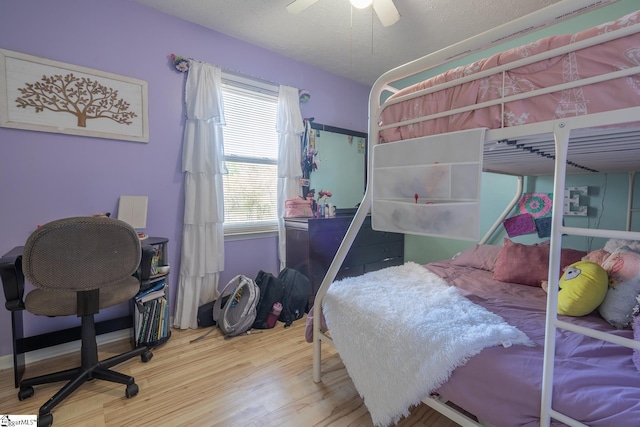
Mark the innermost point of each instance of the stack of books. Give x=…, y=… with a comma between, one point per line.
x=151, y=315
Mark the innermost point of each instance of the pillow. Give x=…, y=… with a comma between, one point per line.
x=529, y=264
x=623, y=267
x=598, y=256
x=482, y=257
x=613, y=244
x=583, y=286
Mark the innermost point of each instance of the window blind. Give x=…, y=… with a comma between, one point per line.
x=251, y=155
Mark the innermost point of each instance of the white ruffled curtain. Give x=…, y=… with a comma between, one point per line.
x=289, y=127
x=202, y=256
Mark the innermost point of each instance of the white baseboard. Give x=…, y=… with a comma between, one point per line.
x=6, y=362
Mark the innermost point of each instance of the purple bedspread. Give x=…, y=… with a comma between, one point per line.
x=595, y=382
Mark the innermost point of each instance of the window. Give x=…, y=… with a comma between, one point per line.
x=251, y=155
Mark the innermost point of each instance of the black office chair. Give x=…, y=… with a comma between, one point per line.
x=78, y=267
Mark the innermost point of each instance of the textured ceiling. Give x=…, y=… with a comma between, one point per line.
x=349, y=42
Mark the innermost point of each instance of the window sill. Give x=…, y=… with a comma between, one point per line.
x=250, y=236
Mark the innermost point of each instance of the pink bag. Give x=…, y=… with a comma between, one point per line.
x=298, y=208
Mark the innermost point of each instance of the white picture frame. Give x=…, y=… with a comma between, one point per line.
x=133, y=210
x=42, y=95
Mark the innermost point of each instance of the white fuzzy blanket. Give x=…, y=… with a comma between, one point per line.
x=402, y=331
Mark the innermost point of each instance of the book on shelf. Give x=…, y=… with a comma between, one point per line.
x=143, y=327
x=137, y=325
x=151, y=296
x=151, y=314
x=154, y=265
x=159, y=255
x=163, y=313
x=158, y=286
x=151, y=308
x=157, y=259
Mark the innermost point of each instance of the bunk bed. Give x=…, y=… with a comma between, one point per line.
x=429, y=144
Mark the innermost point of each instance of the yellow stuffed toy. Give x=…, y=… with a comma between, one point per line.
x=583, y=286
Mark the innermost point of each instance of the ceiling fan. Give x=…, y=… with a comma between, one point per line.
x=385, y=9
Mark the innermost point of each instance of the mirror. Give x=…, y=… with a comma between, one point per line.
x=340, y=164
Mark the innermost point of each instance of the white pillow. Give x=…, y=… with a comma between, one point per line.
x=623, y=268
x=613, y=244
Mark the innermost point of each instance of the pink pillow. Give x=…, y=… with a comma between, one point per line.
x=529, y=264
x=482, y=257
x=598, y=256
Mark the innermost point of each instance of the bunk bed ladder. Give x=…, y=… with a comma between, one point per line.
x=561, y=136
x=341, y=254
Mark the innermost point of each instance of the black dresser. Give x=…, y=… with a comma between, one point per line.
x=312, y=244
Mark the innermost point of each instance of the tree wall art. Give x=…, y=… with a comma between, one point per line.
x=49, y=96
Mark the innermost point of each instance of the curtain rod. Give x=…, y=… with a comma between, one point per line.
x=181, y=64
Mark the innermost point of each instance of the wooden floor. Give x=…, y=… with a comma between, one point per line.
x=260, y=379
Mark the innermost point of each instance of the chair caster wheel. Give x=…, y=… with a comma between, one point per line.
x=146, y=356
x=45, y=420
x=132, y=390
x=25, y=393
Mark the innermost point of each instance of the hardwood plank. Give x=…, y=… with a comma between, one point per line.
x=261, y=379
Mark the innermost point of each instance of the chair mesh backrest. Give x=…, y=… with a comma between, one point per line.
x=84, y=253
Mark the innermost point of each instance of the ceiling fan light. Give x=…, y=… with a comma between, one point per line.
x=361, y=4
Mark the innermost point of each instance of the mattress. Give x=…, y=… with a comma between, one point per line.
x=623, y=92
x=594, y=381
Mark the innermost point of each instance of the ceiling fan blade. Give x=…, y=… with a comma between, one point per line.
x=298, y=6
x=386, y=11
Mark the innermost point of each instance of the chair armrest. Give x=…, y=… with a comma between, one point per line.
x=13, y=279
x=144, y=271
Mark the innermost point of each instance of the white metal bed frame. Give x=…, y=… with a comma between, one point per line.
x=555, y=134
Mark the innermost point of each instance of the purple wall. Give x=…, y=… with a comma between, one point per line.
x=47, y=176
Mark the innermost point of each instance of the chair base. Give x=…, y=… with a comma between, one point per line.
x=90, y=369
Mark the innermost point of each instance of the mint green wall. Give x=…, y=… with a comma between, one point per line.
x=607, y=204
x=608, y=190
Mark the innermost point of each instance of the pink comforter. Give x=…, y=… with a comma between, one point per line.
x=596, y=60
x=594, y=382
